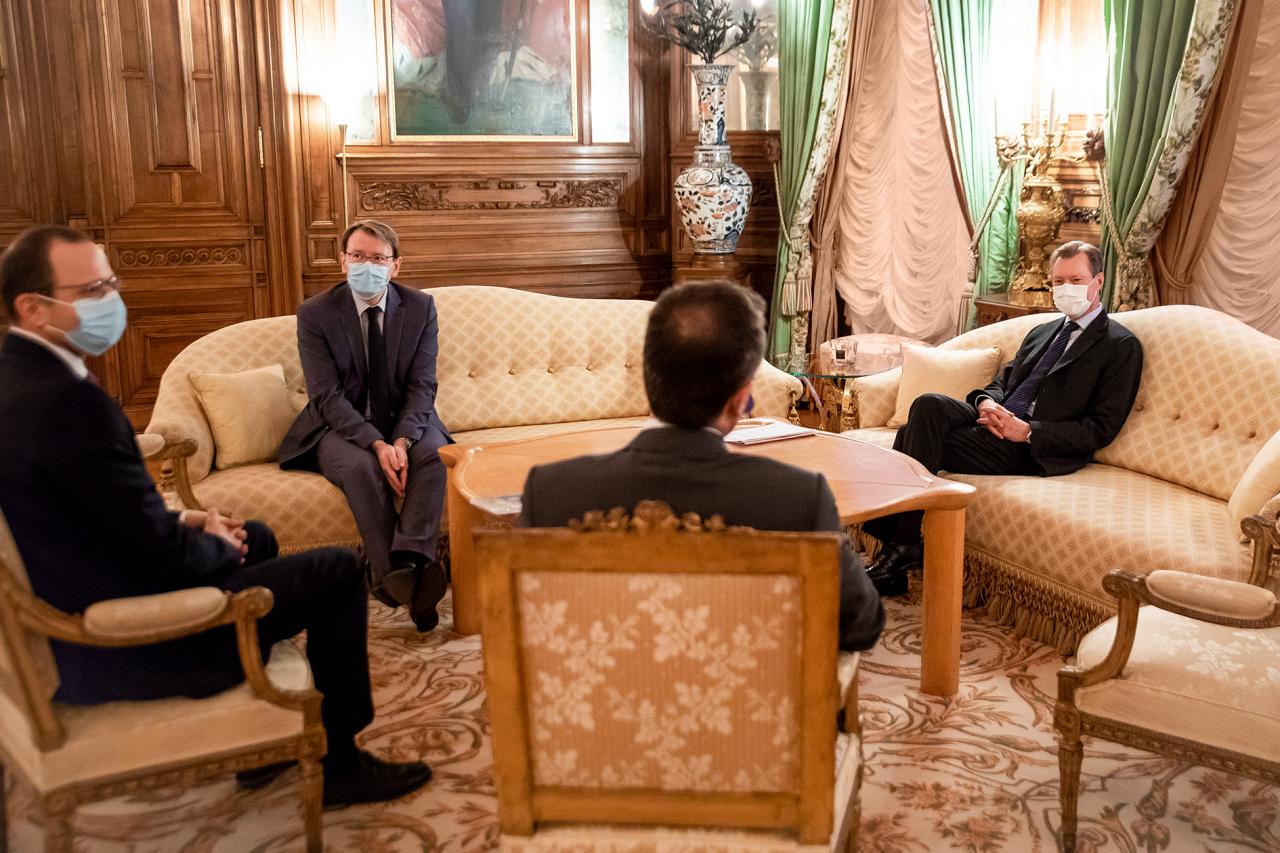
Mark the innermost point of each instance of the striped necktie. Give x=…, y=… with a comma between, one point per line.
x=1019, y=402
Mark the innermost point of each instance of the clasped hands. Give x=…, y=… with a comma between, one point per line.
x=1001, y=422
x=229, y=530
x=393, y=459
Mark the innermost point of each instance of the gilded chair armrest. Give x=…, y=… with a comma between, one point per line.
x=1230, y=603
x=1221, y=602
x=1263, y=532
x=141, y=617
x=177, y=452
x=847, y=675
x=144, y=620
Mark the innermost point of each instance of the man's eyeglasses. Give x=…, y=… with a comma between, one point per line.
x=361, y=258
x=94, y=289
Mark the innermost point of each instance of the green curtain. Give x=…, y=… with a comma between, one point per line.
x=804, y=36
x=962, y=49
x=1147, y=43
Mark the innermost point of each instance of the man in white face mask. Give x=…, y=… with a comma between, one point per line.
x=1064, y=396
x=90, y=526
x=368, y=350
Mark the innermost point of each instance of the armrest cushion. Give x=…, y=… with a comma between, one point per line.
x=149, y=444
x=137, y=617
x=1212, y=596
x=877, y=397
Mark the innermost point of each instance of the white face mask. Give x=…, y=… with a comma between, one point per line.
x=1071, y=299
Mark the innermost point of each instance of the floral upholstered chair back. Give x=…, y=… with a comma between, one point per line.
x=658, y=670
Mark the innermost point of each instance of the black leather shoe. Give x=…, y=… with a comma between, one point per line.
x=260, y=777
x=432, y=585
x=888, y=571
x=372, y=780
x=894, y=558
x=398, y=584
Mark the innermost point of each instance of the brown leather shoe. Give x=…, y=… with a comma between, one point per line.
x=431, y=587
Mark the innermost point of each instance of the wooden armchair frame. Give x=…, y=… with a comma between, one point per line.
x=22, y=614
x=1132, y=591
x=1264, y=534
x=655, y=541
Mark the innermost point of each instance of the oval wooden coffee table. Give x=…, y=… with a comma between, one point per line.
x=485, y=482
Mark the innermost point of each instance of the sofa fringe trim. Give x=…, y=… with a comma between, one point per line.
x=1031, y=606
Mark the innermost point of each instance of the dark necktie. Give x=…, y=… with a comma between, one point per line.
x=1025, y=393
x=379, y=383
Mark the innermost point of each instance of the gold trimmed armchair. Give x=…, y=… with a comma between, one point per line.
x=1195, y=674
x=74, y=754
x=665, y=683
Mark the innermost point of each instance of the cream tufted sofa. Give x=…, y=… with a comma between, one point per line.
x=1036, y=549
x=512, y=364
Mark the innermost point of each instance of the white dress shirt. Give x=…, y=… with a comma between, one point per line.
x=73, y=361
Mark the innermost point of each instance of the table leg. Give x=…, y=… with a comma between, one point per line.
x=943, y=583
x=463, y=519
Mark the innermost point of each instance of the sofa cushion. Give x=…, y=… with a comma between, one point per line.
x=303, y=509
x=1075, y=529
x=1209, y=399
x=953, y=372
x=510, y=357
x=1207, y=683
x=249, y=412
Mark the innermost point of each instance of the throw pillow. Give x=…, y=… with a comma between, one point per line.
x=248, y=412
x=954, y=372
x=1259, y=484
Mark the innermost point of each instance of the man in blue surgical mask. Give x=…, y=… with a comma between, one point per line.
x=368, y=349
x=90, y=526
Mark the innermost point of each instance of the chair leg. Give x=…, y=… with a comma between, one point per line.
x=313, y=804
x=1070, y=756
x=58, y=837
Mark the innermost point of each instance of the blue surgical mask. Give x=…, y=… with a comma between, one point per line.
x=368, y=280
x=102, y=322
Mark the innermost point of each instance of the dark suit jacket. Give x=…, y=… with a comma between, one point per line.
x=331, y=346
x=1086, y=397
x=86, y=517
x=692, y=471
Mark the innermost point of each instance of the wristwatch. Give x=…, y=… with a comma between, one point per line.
x=408, y=442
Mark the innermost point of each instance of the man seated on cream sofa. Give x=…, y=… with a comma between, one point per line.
x=1064, y=396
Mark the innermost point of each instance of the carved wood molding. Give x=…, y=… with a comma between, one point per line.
x=490, y=194
x=650, y=517
x=151, y=257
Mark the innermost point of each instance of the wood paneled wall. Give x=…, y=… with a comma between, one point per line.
x=187, y=139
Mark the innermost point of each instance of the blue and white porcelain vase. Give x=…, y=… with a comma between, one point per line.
x=713, y=194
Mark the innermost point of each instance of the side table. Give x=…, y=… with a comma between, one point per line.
x=828, y=389
x=996, y=307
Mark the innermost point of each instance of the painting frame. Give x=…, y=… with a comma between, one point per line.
x=575, y=125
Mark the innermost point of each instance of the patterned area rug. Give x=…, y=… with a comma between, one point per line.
x=974, y=773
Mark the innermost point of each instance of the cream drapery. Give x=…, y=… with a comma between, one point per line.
x=1239, y=270
x=902, y=245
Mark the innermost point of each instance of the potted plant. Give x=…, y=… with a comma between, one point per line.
x=713, y=194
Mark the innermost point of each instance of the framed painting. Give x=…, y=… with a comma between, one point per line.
x=482, y=70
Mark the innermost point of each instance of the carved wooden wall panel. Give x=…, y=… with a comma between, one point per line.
x=180, y=180
x=28, y=181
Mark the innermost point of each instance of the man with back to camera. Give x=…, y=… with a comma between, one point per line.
x=90, y=526
x=368, y=349
x=1065, y=395
x=702, y=347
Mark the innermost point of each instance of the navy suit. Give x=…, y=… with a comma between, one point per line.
x=333, y=436
x=90, y=526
